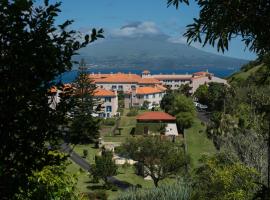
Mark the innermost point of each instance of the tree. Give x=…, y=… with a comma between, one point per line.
x=184, y=111
x=185, y=89
x=220, y=21
x=159, y=158
x=202, y=94
x=222, y=177
x=166, y=102
x=104, y=167
x=84, y=127
x=33, y=52
x=52, y=182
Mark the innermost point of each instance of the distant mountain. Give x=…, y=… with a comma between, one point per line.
x=154, y=52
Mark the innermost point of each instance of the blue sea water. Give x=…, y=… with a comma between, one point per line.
x=71, y=75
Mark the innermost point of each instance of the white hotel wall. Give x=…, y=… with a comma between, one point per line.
x=109, y=86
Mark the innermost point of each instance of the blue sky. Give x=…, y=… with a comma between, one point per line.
x=113, y=14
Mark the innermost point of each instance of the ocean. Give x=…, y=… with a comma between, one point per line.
x=70, y=76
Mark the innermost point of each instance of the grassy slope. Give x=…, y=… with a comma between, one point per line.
x=243, y=75
x=197, y=142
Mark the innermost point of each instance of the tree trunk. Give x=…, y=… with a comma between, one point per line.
x=155, y=182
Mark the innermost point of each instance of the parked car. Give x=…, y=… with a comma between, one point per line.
x=200, y=106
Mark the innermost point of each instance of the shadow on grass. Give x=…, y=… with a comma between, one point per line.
x=96, y=187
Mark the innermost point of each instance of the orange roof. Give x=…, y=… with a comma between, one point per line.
x=116, y=78
x=146, y=72
x=161, y=87
x=104, y=93
x=147, y=90
x=155, y=116
x=149, y=81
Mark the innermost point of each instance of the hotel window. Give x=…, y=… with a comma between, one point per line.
x=114, y=87
x=120, y=87
x=108, y=99
x=147, y=96
x=133, y=87
x=108, y=109
x=160, y=94
x=154, y=96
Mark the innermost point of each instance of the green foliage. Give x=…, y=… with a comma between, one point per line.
x=185, y=90
x=104, y=166
x=176, y=191
x=184, y=111
x=213, y=95
x=220, y=21
x=132, y=112
x=34, y=50
x=159, y=158
x=222, y=177
x=100, y=194
x=52, y=182
x=145, y=105
x=166, y=102
x=108, y=121
x=202, y=94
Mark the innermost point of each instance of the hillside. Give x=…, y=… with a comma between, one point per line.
x=253, y=73
x=154, y=52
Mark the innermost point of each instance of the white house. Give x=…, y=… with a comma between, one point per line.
x=109, y=102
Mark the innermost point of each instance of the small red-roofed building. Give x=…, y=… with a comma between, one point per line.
x=155, y=123
x=108, y=101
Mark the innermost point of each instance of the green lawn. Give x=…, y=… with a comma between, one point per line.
x=92, y=152
x=197, y=142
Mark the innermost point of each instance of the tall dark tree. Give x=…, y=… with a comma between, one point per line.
x=84, y=127
x=34, y=50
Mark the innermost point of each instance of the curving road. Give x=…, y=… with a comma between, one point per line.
x=86, y=166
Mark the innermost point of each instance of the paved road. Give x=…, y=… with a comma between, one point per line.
x=204, y=116
x=86, y=166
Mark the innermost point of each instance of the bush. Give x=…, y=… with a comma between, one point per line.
x=85, y=153
x=132, y=112
x=108, y=122
x=100, y=194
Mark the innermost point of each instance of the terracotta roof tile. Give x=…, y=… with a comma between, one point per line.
x=149, y=81
x=147, y=90
x=155, y=116
x=116, y=78
x=104, y=93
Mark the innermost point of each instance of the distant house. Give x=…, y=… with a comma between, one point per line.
x=109, y=102
x=156, y=123
x=146, y=94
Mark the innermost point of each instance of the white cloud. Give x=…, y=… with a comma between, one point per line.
x=137, y=29
x=183, y=40
x=178, y=40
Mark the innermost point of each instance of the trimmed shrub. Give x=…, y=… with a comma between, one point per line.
x=85, y=153
x=108, y=122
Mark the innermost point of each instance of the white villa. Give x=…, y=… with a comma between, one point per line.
x=109, y=102
x=151, y=95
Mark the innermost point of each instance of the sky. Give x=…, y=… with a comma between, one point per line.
x=149, y=15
